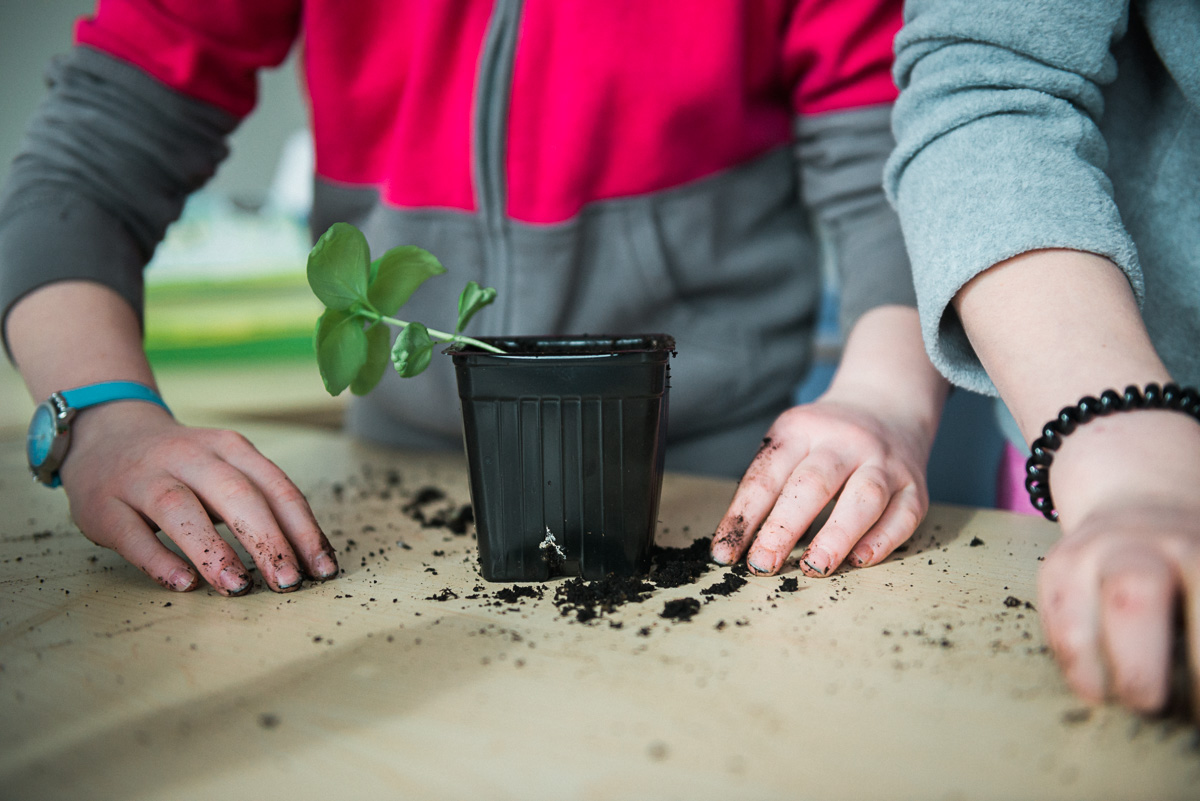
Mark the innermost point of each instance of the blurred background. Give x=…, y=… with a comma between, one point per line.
x=242, y=243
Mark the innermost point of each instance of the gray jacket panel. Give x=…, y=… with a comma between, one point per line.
x=840, y=158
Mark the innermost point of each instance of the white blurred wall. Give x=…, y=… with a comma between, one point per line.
x=31, y=31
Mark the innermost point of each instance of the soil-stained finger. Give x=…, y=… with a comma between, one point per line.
x=246, y=512
x=756, y=495
x=811, y=485
x=861, y=503
x=895, y=526
x=179, y=514
x=291, y=511
x=129, y=536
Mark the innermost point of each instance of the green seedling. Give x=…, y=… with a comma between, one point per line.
x=362, y=296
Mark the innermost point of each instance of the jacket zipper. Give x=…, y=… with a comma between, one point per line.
x=492, y=90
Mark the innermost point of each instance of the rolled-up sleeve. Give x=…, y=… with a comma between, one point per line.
x=999, y=149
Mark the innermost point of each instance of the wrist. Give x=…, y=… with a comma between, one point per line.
x=884, y=364
x=53, y=427
x=1126, y=459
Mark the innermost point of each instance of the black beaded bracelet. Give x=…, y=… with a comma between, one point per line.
x=1037, y=467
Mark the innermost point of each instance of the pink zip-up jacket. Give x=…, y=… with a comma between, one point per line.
x=621, y=166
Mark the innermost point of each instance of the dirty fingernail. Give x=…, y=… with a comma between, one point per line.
x=181, y=580
x=324, y=566
x=756, y=564
x=234, y=581
x=816, y=563
x=287, y=576
x=860, y=557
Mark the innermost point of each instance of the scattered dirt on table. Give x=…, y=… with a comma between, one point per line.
x=669, y=568
x=1013, y=602
x=588, y=600
x=1074, y=717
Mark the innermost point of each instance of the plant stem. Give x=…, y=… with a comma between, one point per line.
x=440, y=336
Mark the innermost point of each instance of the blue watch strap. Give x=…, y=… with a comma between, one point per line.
x=83, y=397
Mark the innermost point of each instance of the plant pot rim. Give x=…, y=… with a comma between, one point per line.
x=566, y=346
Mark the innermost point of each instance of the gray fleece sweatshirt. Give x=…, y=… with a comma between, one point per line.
x=1051, y=124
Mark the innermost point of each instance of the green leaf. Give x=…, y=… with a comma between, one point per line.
x=472, y=299
x=378, y=342
x=338, y=266
x=396, y=275
x=413, y=350
x=341, y=349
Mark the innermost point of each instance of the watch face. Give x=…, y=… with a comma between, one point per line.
x=41, y=436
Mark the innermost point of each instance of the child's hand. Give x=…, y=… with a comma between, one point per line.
x=133, y=470
x=1129, y=559
x=868, y=437
x=812, y=453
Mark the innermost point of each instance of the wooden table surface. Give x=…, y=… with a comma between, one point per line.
x=923, y=678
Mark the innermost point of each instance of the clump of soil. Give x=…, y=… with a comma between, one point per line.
x=669, y=567
x=789, y=584
x=674, y=567
x=588, y=600
x=445, y=595
x=730, y=584
x=425, y=495
x=681, y=609
x=455, y=518
x=512, y=595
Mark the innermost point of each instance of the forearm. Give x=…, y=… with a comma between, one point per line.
x=1053, y=326
x=73, y=333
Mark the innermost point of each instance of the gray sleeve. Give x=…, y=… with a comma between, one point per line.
x=107, y=162
x=998, y=148
x=841, y=157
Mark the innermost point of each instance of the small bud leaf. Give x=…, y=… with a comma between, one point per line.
x=413, y=350
x=472, y=299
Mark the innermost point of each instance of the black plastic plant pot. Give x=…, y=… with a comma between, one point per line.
x=565, y=438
